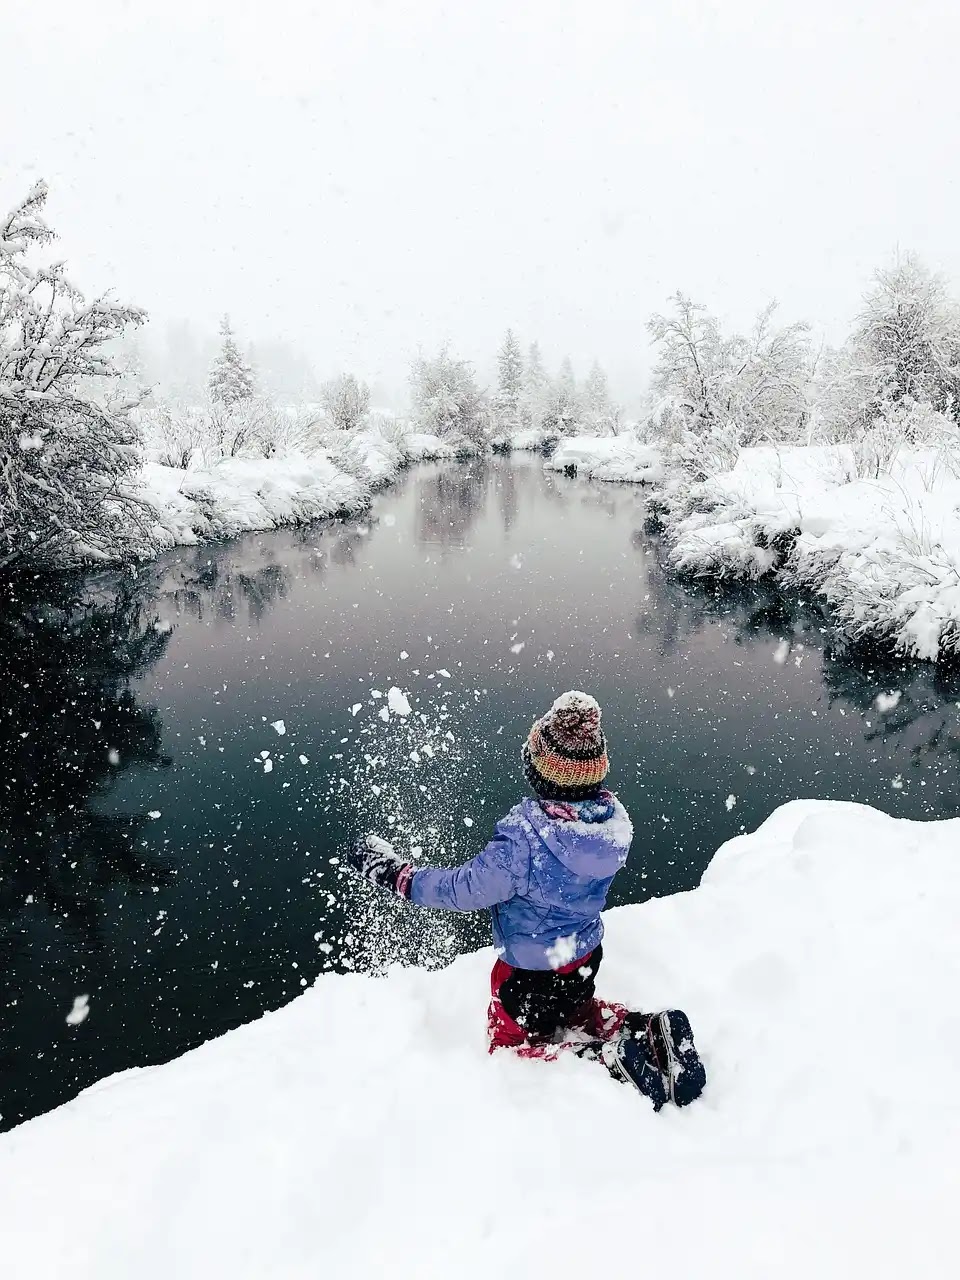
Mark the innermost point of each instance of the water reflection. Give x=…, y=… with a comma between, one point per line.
x=68, y=654
x=450, y=501
x=916, y=703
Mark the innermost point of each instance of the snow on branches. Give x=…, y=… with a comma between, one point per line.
x=231, y=378
x=65, y=455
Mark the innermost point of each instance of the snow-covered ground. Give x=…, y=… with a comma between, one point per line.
x=883, y=550
x=362, y=1131
x=618, y=458
x=237, y=495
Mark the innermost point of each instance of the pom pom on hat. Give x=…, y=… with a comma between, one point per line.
x=565, y=754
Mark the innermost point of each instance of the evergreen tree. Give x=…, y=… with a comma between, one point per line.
x=535, y=386
x=231, y=378
x=596, y=396
x=510, y=383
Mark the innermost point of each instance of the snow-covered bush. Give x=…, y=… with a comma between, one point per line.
x=900, y=364
x=446, y=399
x=346, y=402
x=188, y=435
x=66, y=452
x=719, y=393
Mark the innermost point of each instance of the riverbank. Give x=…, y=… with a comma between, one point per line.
x=363, y=1130
x=877, y=539
x=241, y=495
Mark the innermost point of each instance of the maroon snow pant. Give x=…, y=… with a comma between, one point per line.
x=541, y=1012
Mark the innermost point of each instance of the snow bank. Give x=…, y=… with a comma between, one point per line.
x=363, y=1131
x=619, y=458
x=242, y=494
x=238, y=495
x=884, y=551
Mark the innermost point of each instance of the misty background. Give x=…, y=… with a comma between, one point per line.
x=354, y=181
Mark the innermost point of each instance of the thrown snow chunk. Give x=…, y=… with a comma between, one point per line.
x=442, y=671
x=404, y=655
x=415, y=757
x=563, y=951
x=397, y=702
x=355, y=708
x=516, y=561
x=304, y=759
x=79, y=1012
x=264, y=754
x=375, y=693
x=280, y=727
x=671, y=692
x=267, y=766
x=468, y=822
x=549, y=655
x=730, y=802
x=897, y=782
x=154, y=813
x=887, y=701
x=518, y=648
x=384, y=713
x=113, y=755
x=389, y=520
x=782, y=652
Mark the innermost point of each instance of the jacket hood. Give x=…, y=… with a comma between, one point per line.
x=593, y=849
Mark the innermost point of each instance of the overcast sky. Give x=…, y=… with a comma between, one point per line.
x=363, y=178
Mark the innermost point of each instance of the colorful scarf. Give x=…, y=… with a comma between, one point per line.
x=597, y=810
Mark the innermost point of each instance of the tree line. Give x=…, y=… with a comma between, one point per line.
x=74, y=424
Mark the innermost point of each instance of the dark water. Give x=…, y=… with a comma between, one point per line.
x=128, y=696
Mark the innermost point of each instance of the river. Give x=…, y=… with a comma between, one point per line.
x=186, y=748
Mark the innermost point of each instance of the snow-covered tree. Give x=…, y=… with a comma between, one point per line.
x=509, y=383
x=740, y=389
x=596, y=394
x=346, y=402
x=231, y=378
x=67, y=449
x=446, y=398
x=535, y=384
x=560, y=406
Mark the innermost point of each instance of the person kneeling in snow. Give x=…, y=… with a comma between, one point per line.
x=545, y=876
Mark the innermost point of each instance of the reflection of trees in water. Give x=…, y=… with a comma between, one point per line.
x=450, y=500
x=505, y=482
x=222, y=580
x=926, y=715
x=68, y=653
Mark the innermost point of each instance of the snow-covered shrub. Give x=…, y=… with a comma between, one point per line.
x=174, y=435
x=901, y=363
x=346, y=402
x=66, y=452
x=730, y=391
x=447, y=400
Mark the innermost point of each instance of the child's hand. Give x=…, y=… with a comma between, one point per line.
x=377, y=862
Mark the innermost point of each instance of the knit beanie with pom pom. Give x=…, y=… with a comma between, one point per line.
x=565, y=754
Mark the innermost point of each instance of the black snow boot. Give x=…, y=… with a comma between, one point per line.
x=628, y=1057
x=669, y=1041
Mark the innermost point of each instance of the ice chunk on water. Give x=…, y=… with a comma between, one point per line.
x=280, y=727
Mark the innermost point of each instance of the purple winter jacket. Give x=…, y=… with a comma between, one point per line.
x=545, y=880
